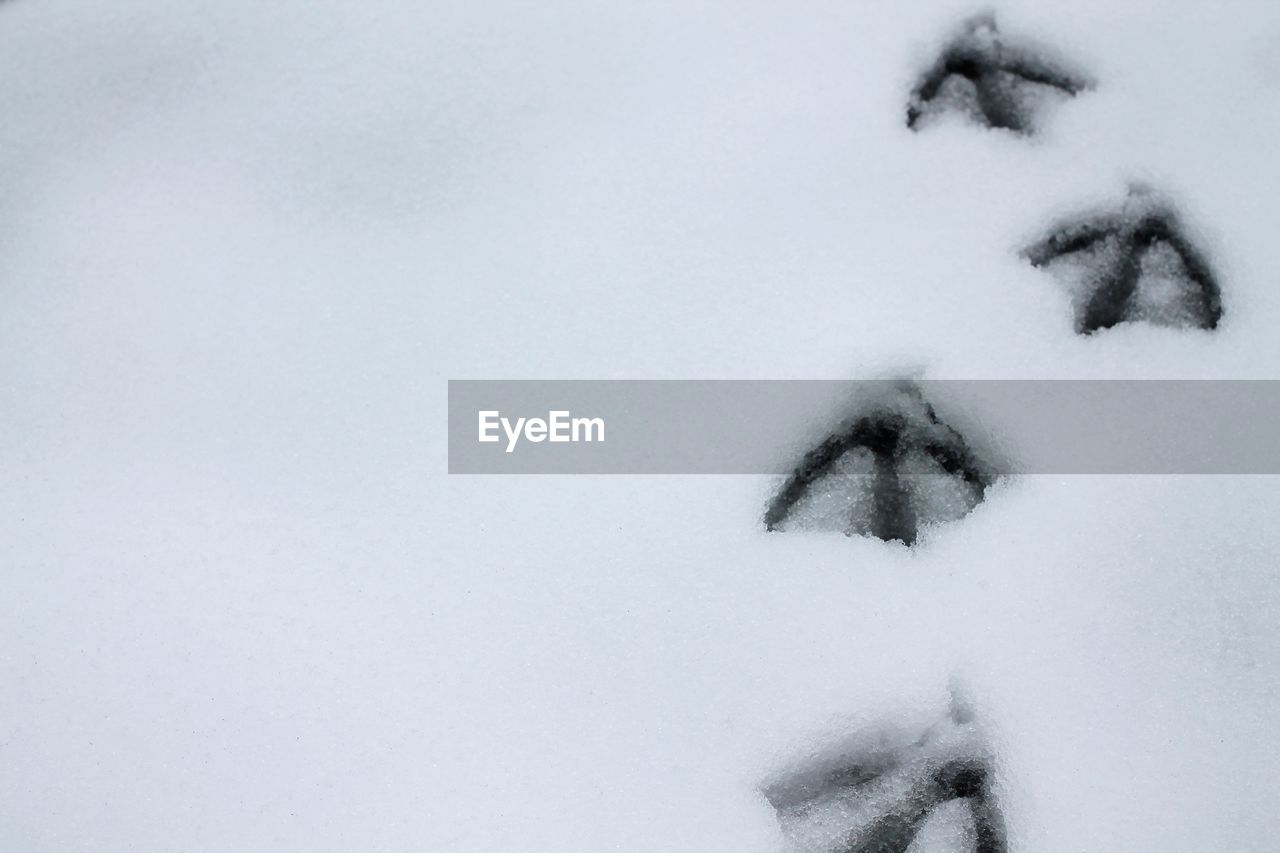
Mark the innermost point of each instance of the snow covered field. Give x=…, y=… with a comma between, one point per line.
x=244, y=245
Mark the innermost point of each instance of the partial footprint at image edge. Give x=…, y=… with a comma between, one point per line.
x=891, y=790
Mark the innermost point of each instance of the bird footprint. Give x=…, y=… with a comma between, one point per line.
x=892, y=469
x=1136, y=264
x=994, y=82
x=891, y=790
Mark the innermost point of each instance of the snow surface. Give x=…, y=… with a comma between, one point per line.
x=242, y=247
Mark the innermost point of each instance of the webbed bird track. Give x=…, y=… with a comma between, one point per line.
x=890, y=470
x=1133, y=265
x=884, y=790
x=996, y=82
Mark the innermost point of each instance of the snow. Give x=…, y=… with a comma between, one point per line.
x=243, y=246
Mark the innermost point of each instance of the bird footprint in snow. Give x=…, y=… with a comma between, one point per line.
x=893, y=790
x=890, y=470
x=1133, y=265
x=993, y=81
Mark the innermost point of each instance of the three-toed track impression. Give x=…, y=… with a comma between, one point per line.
x=1136, y=264
x=895, y=789
x=993, y=81
x=891, y=469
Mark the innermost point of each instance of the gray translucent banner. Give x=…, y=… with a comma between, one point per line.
x=766, y=427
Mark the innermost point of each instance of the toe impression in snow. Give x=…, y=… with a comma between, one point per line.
x=992, y=80
x=1133, y=265
x=895, y=790
x=886, y=472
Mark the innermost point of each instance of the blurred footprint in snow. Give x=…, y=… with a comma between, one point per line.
x=894, y=790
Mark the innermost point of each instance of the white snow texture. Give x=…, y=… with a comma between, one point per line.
x=243, y=245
